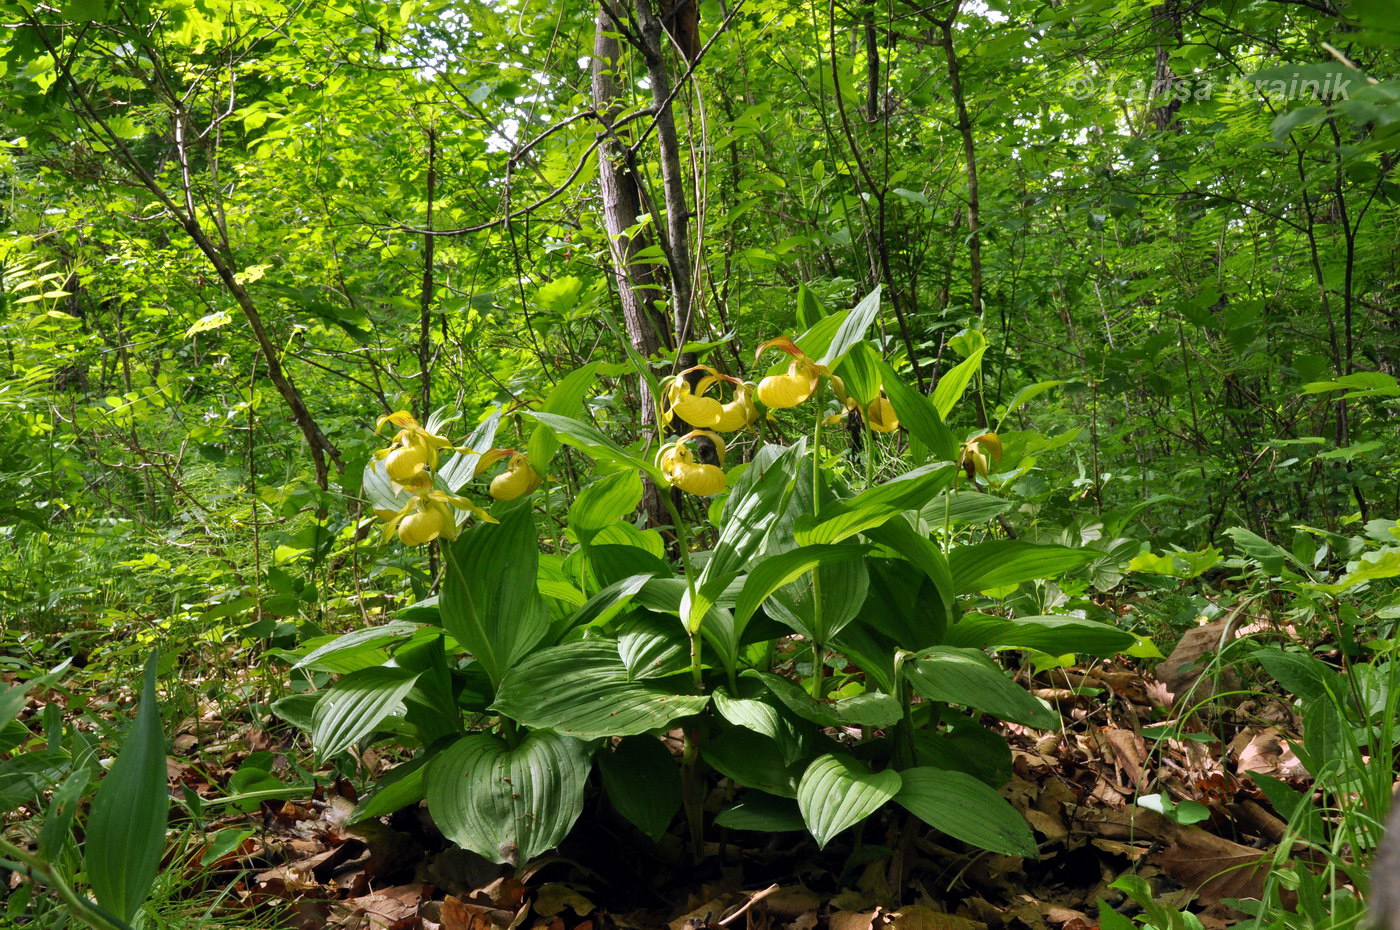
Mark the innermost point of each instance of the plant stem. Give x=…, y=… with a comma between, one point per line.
x=692, y=787
x=818, y=650
x=683, y=544
x=36, y=868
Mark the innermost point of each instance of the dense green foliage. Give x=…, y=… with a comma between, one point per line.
x=1149, y=251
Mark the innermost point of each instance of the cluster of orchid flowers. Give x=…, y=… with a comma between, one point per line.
x=711, y=416
x=411, y=462
x=430, y=513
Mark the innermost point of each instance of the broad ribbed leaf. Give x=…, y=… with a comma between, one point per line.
x=328, y=656
x=752, y=507
x=764, y=812
x=566, y=399
x=461, y=467
x=589, y=439
x=873, y=709
x=398, y=788
x=750, y=713
x=490, y=603
x=871, y=508
x=1055, y=635
x=753, y=760
x=582, y=689
x=820, y=604
x=508, y=805
x=837, y=792
x=860, y=369
x=652, y=645
x=351, y=708
x=607, y=603
x=126, y=829
x=643, y=781
x=954, y=382
x=968, y=678
x=925, y=555
x=1002, y=562
x=604, y=502
x=774, y=571
x=917, y=415
x=966, y=809
x=956, y=508
x=852, y=329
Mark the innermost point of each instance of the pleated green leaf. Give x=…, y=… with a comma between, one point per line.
x=643, y=781
x=490, y=602
x=1002, y=562
x=837, y=792
x=583, y=689
x=351, y=708
x=969, y=678
x=508, y=805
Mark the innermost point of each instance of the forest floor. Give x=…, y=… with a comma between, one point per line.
x=1146, y=778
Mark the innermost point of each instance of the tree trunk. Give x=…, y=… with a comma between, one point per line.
x=647, y=328
x=677, y=244
x=636, y=283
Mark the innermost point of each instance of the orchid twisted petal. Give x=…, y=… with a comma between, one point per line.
x=979, y=453
x=415, y=450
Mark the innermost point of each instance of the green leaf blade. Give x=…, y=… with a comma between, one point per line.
x=967, y=809
x=126, y=829
x=837, y=792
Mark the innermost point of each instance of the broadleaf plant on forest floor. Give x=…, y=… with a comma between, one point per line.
x=810, y=643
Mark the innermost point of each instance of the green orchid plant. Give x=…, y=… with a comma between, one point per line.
x=816, y=640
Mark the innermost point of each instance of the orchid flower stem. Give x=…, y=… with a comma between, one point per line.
x=692, y=790
x=683, y=544
x=869, y=452
x=818, y=649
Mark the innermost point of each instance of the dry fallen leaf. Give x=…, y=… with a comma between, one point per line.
x=1211, y=866
x=1268, y=752
x=1183, y=671
x=791, y=901
x=463, y=915
x=555, y=898
x=918, y=917
x=707, y=913
x=852, y=920
x=388, y=909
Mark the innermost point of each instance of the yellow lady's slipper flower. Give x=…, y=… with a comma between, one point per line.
x=677, y=461
x=428, y=515
x=979, y=453
x=415, y=450
x=691, y=405
x=517, y=480
x=740, y=412
x=799, y=383
x=880, y=415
